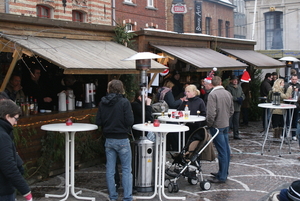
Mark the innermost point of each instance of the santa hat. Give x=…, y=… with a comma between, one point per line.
x=165, y=72
x=245, y=77
x=210, y=75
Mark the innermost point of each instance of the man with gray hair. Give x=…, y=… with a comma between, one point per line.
x=219, y=110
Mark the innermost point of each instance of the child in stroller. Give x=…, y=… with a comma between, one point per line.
x=187, y=162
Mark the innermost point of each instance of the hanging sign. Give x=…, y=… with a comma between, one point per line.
x=178, y=8
x=198, y=17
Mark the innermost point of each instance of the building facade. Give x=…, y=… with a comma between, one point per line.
x=206, y=16
x=276, y=25
x=139, y=14
x=88, y=11
x=240, y=20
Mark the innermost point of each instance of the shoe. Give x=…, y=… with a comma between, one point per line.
x=215, y=180
x=237, y=138
x=294, y=138
x=215, y=174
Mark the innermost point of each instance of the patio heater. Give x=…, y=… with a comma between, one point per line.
x=289, y=63
x=143, y=64
x=144, y=149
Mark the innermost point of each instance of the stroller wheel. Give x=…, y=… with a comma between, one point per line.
x=167, y=181
x=170, y=187
x=205, y=185
x=175, y=188
x=193, y=181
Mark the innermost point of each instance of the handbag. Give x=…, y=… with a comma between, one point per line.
x=158, y=107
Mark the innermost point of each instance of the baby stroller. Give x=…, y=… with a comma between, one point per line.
x=187, y=162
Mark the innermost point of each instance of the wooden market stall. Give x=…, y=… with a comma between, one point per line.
x=79, y=49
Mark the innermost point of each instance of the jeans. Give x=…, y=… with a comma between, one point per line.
x=222, y=145
x=121, y=148
x=7, y=197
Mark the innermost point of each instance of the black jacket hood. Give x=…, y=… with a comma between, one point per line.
x=111, y=99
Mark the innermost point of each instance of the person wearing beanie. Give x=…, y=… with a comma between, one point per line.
x=11, y=170
x=238, y=96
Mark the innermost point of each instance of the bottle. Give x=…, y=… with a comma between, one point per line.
x=22, y=105
x=26, y=107
x=186, y=112
x=31, y=105
x=35, y=106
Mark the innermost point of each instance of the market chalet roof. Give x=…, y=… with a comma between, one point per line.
x=81, y=56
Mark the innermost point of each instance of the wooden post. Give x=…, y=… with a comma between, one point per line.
x=16, y=56
x=152, y=79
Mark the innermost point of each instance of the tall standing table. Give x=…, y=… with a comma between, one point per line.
x=182, y=120
x=160, y=159
x=285, y=108
x=69, y=132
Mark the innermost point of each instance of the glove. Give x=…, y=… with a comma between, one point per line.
x=28, y=197
x=239, y=100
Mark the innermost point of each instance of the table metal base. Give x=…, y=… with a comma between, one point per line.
x=70, y=158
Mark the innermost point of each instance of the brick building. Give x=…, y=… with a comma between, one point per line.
x=89, y=11
x=140, y=14
x=206, y=16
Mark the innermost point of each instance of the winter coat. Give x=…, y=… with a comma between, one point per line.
x=265, y=88
x=115, y=116
x=169, y=98
x=237, y=93
x=10, y=175
x=219, y=108
x=194, y=104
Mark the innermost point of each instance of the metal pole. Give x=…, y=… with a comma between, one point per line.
x=143, y=85
x=254, y=19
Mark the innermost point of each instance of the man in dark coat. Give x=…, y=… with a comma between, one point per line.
x=265, y=88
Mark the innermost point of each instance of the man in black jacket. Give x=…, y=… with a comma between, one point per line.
x=116, y=118
x=265, y=88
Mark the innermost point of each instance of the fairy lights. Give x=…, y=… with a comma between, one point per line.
x=59, y=120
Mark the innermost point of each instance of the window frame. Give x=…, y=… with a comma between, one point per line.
x=40, y=9
x=150, y=3
x=227, y=29
x=273, y=29
x=127, y=25
x=81, y=14
x=208, y=25
x=220, y=27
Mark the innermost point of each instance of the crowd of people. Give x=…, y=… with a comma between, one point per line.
x=221, y=105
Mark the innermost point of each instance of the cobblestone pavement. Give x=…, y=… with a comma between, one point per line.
x=252, y=176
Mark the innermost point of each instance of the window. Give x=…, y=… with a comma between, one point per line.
x=227, y=29
x=178, y=23
x=273, y=30
x=43, y=11
x=220, y=22
x=207, y=25
x=77, y=16
x=128, y=27
x=150, y=3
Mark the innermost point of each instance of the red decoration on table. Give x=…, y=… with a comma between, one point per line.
x=69, y=122
x=156, y=123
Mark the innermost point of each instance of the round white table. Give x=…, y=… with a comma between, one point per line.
x=182, y=120
x=285, y=108
x=160, y=159
x=70, y=156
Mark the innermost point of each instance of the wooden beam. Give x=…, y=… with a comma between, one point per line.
x=16, y=56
